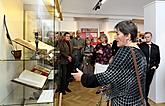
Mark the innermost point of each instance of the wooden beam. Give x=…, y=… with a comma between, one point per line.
x=141, y=21
x=51, y=9
x=57, y=6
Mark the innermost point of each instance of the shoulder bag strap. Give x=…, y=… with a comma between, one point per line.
x=137, y=75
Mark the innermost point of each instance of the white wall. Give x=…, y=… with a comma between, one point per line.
x=103, y=24
x=149, y=25
x=68, y=24
x=57, y=25
x=30, y=25
x=140, y=27
x=150, y=18
x=13, y=9
x=89, y=24
x=160, y=32
x=47, y=25
x=154, y=16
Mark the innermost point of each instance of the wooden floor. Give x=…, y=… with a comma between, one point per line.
x=81, y=96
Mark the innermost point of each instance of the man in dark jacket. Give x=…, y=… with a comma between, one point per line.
x=151, y=51
x=65, y=48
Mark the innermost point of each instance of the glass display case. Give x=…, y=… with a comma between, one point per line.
x=29, y=64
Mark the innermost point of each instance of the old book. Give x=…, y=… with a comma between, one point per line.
x=31, y=79
x=42, y=47
x=41, y=70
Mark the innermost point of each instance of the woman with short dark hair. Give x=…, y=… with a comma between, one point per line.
x=120, y=74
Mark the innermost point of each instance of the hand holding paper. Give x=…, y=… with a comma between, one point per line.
x=77, y=76
x=153, y=68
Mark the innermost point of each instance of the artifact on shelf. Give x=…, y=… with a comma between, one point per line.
x=43, y=48
x=31, y=79
x=41, y=70
x=17, y=54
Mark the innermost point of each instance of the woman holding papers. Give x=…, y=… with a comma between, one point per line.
x=65, y=48
x=102, y=54
x=124, y=89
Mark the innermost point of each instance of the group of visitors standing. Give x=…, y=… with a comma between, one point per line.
x=127, y=67
x=130, y=73
x=79, y=53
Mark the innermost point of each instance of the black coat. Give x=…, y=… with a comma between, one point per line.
x=121, y=79
x=155, y=54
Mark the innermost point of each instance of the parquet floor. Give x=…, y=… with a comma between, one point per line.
x=81, y=96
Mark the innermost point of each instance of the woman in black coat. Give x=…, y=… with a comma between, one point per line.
x=120, y=74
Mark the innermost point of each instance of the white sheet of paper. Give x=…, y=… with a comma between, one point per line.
x=51, y=75
x=99, y=68
x=46, y=96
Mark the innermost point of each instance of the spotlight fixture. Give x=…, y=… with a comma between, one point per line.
x=98, y=5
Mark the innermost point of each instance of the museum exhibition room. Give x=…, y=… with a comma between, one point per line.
x=63, y=52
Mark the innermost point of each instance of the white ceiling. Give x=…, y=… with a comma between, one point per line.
x=109, y=8
x=133, y=8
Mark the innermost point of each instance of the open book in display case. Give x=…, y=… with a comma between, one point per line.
x=38, y=87
x=35, y=83
x=29, y=80
x=36, y=80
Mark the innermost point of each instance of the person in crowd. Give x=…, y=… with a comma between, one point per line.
x=78, y=43
x=151, y=51
x=87, y=52
x=95, y=41
x=65, y=48
x=56, y=38
x=102, y=53
x=115, y=48
x=72, y=35
x=50, y=40
x=120, y=74
x=53, y=38
x=53, y=54
x=141, y=38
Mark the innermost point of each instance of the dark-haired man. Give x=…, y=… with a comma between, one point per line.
x=151, y=51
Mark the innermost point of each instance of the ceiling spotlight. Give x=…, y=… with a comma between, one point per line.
x=98, y=5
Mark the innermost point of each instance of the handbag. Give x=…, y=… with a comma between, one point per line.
x=102, y=91
x=99, y=103
x=137, y=76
